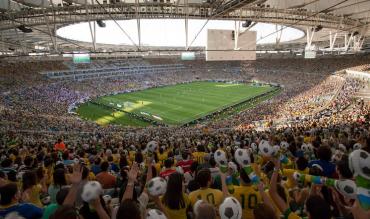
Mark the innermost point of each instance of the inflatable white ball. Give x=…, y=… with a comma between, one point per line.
x=232, y=165
x=265, y=149
x=220, y=158
x=276, y=150
x=242, y=157
x=359, y=163
x=230, y=209
x=347, y=188
x=254, y=147
x=152, y=146
x=157, y=186
x=357, y=146
x=91, y=191
x=155, y=214
x=284, y=145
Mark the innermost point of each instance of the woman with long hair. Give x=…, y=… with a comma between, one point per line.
x=59, y=180
x=31, y=188
x=175, y=201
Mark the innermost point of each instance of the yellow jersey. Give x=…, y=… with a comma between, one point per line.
x=288, y=214
x=212, y=196
x=131, y=155
x=248, y=197
x=34, y=195
x=162, y=157
x=199, y=157
x=177, y=213
x=291, y=182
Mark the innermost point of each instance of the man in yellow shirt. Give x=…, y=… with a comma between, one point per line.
x=212, y=196
x=316, y=207
x=199, y=155
x=301, y=165
x=247, y=194
x=162, y=155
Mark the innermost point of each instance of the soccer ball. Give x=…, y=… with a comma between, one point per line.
x=297, y=176
x=365, y=164
x=254, y=147
x=157, y=186
x=357, y=146
x=232, y=165
x=152, y=146
x=359, y=163
x=230, y=209
x=242, y=157
x=276, y=149
x=265, y=148
x=306, y=148
x=346, y=187
x=155, y=214
x=220, y=158
x=125, y=152
x=284, y=145
x=107, y=199
x=45, y=199
x=91, y=191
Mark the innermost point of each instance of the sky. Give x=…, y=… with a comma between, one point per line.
x=168, y=32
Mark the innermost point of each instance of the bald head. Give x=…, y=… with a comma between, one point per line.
x=203, y=210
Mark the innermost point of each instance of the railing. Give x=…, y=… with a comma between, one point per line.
x=81, y=74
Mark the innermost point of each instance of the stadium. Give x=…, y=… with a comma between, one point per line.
x=185, y=109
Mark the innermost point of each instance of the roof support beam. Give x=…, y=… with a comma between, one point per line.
x=51, y=34
x=332, y=40
x=309, y=34
x=347, y=41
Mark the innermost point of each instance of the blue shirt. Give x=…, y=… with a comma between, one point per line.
x=328, y=167
x=26, y=210
x=95, y=169
x=113, y=167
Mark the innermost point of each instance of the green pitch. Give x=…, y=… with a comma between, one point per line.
x=172, y=105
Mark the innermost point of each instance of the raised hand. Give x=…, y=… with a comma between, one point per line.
x=358, y=212
x=76, y=176
x=132, y=174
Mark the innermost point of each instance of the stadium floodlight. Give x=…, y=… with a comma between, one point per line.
x=247, y=23
x=318, y=28
x=353, y=34
x=25, y=29
x=101, y=23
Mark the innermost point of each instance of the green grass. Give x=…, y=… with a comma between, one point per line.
x=172, y=105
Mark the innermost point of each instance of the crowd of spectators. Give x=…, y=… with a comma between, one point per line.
x=48, y=156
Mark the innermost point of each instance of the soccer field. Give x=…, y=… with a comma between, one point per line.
x=171, y=105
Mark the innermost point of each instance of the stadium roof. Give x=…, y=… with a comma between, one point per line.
x=30, y=25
